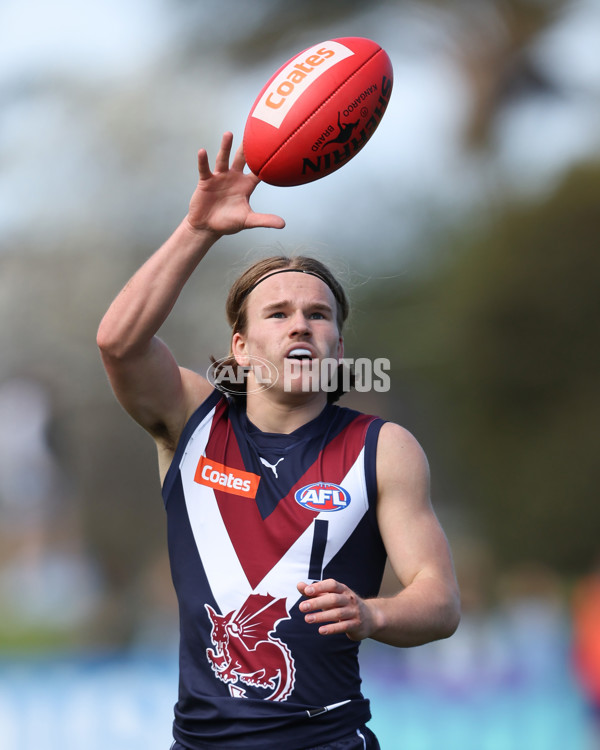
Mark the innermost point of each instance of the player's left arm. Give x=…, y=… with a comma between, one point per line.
x=428, y=606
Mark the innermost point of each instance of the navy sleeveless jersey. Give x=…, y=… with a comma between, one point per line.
x=251, y=514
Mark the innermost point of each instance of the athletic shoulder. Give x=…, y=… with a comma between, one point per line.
x=401, y=460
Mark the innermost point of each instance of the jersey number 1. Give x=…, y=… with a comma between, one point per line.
x=315, y=570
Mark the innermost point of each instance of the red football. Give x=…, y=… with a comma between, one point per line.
x=317, y=111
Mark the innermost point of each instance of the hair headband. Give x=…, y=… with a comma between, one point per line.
x=286, y=270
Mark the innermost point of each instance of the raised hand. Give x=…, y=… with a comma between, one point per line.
x=221, y=202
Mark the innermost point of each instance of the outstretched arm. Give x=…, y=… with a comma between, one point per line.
x=142, y=371
x=427, y=608
x=221, y=202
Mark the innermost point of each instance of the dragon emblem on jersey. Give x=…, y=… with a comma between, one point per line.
x=246, y=650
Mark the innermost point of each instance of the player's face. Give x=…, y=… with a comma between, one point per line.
x=291, y=322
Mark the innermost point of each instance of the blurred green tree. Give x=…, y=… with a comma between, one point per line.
x=503, y=344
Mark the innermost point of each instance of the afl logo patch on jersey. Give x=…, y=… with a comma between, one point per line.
x=323, y=496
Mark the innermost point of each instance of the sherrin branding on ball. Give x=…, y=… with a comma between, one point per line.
x=318, y=111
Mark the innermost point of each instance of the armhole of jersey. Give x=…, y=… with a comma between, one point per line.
x=370, y=464
x=205, y=407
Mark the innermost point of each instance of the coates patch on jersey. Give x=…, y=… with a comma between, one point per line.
x=323, y=497
x=220, y=477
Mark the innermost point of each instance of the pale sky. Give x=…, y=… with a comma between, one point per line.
x=413, y=158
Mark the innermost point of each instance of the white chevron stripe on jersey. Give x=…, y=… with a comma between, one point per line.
x=225, y=574
x=341, y=525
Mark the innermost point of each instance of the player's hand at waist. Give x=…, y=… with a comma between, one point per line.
x=335, y=608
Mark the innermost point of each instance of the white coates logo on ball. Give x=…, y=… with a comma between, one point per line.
x=285, y=89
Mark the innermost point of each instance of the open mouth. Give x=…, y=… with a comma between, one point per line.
x=299, y=354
